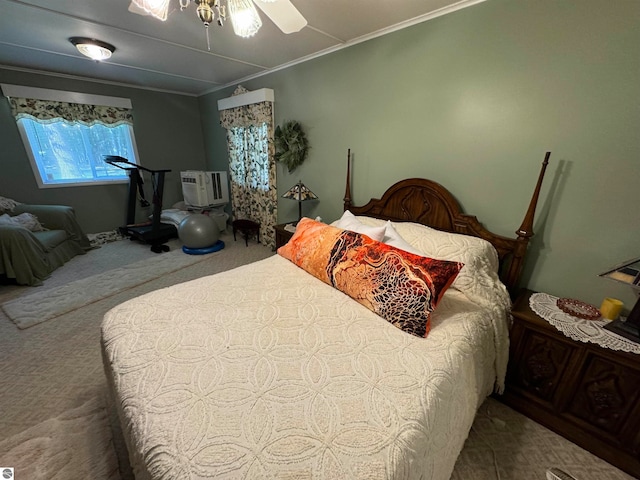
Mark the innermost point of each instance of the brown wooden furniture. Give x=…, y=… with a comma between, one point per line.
x=247, y=228
x=282, y=235
x=429, y=203
x=586, y=393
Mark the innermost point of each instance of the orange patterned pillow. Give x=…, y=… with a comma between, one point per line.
x=401, y=287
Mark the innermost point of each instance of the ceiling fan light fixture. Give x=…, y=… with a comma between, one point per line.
x=92, y=48
x=244, y=17
x=156, y=8
x=205, y=12
x=243, y=14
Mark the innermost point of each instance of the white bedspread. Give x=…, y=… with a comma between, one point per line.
x=265, y=372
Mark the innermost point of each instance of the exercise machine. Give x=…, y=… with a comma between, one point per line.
x=153, y=232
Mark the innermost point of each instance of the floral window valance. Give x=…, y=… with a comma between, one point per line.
x=46, y=111
x=247, y=115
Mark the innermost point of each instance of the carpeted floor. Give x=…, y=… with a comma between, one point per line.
x=75, y=444
x=505, y=445
x=53, y=387
x=42, y=305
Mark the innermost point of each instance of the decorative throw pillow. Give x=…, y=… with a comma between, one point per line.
x=348, y=221
x=24, y=220
x=401, y=287
x=478, y=280
x=7, y=204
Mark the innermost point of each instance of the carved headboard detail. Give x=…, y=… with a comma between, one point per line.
x=426, y=202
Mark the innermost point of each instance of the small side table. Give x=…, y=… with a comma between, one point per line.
x=586, y=393
x=282, y=235
x=247, y=228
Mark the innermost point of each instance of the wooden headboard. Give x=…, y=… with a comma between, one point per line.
x=423, y=201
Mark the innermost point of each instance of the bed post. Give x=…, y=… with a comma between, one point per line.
x=525, y=232
x=347, y=193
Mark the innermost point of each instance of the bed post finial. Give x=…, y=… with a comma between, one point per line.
x=525, y=232
x=526, y=229
x=347, y=193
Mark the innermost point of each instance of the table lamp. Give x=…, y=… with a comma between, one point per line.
x=629, y=273
x=301, y=193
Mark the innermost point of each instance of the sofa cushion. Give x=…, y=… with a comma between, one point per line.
x=50, y=239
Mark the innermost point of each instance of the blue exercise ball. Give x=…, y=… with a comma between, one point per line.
x=198, y=231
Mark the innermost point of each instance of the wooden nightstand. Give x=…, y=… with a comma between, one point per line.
x=586, y=393
x=282, y=235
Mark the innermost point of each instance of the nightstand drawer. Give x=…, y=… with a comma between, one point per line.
x=605, y=394
x=537, y=362
x=282, y=235
x=584, y=392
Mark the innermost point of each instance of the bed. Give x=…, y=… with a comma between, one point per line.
x=265, y=371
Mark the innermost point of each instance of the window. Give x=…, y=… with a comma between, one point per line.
x=66, y=135
x=64, y=153
x=248, y=119
x=251, y=160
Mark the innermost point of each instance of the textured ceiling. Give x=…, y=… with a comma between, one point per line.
x=173, y=55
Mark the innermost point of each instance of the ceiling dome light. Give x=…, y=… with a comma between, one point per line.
x=92, y=48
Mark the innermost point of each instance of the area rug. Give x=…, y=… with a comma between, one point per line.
x=30, y=310
x=76, y=444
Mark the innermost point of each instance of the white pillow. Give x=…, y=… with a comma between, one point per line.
x=390, y=237
x=349, y=221
x=446, y=245
x=24, y=220
x=393, y=238
x=478, y=279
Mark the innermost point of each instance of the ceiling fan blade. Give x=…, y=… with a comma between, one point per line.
x=156, y=8
x=133, y=8
x=284, y=14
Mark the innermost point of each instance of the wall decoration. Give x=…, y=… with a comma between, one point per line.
x=291, y=145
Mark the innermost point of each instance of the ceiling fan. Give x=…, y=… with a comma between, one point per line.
x=243, y=14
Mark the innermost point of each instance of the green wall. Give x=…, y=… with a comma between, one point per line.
x=168, y=135
x=473, y=100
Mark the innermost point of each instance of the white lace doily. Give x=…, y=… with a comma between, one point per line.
x=591, y=331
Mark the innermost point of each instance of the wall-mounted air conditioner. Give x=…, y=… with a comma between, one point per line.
x=204, y=189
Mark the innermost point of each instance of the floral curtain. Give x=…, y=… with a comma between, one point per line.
x=47, y=111
x=252, y=166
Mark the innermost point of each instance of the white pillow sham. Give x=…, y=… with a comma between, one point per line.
x=390, y=236
x=445, y=245
x=478, y=279
x=393, y=238
x=348, y=221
